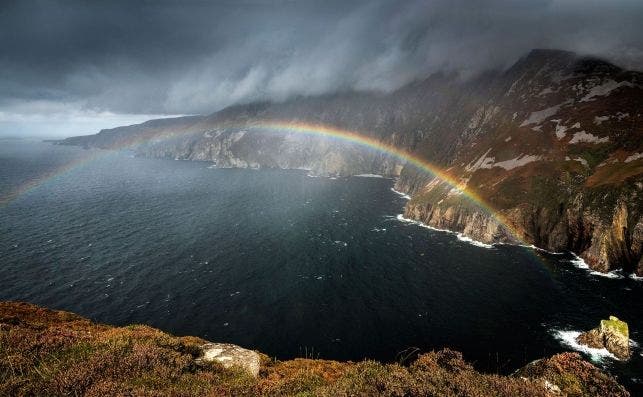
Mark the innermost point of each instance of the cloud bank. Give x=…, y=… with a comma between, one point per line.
x=164, y=57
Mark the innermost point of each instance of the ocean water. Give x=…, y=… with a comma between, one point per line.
x=286, y=264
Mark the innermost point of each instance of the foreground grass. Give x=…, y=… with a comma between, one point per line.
x=52, y=353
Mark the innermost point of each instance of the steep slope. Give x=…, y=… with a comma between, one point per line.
x=55, y=353
x=554, y=145
x=558, y=154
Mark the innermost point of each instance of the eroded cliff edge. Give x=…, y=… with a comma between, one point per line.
x=47, y=352
x=553, y=146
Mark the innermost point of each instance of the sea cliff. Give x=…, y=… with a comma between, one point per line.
x=553, y=146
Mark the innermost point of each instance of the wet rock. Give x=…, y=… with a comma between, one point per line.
x=230, y=355
x=612, y=334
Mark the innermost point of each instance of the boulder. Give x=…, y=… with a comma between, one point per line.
x=230, y=355
x=612, y=334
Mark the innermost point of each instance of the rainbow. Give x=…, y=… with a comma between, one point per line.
x=390, y=150
x=306, y=128
x=49, y=176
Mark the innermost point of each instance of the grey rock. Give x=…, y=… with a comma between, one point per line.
x=230, y=356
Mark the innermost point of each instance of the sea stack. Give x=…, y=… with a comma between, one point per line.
x=612, y=334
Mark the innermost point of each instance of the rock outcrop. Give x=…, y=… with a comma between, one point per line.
x=230, y=356
x=612, y=334
x=579, y=377
x=553, y=146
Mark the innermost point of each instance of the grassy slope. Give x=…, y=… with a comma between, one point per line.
x=45, y=352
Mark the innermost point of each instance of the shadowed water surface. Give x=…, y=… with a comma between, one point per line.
x=283, y=263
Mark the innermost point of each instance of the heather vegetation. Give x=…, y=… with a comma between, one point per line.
x=45, y=352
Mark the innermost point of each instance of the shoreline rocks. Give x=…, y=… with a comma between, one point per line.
x=612, y=334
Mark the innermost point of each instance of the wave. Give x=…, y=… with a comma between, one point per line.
x=568, y=338
x=469, y=240
x=370, y=176
x=533, y=247
x=633, y=276
x=311, y=175
x=459, y=235
x=404, y=195
x=579, y=263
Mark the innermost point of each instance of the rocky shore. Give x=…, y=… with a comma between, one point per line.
x=612, y=334
x=56, y=353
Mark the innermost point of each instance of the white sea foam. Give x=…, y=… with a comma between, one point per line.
x=568, y=338
x=311, y=175
x=459, y=236
x=612, y=274
x=533, y=247
x=581, y=264
x=403, y=195
x=469, y=240
x=369, y=176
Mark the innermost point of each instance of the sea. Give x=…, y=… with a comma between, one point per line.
x=287, y=263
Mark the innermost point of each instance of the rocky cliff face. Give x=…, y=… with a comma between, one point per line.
x=554, y=145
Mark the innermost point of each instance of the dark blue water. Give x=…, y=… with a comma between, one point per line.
x=283, y=263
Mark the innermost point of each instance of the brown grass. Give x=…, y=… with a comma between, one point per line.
x=54, y=353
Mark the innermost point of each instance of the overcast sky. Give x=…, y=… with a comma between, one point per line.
x=73, y=67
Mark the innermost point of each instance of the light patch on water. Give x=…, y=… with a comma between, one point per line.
x=459, y=236
x=568, y=338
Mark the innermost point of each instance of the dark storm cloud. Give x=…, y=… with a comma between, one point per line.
x=196, y=57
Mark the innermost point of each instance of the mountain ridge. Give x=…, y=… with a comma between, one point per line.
x=554, y=144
